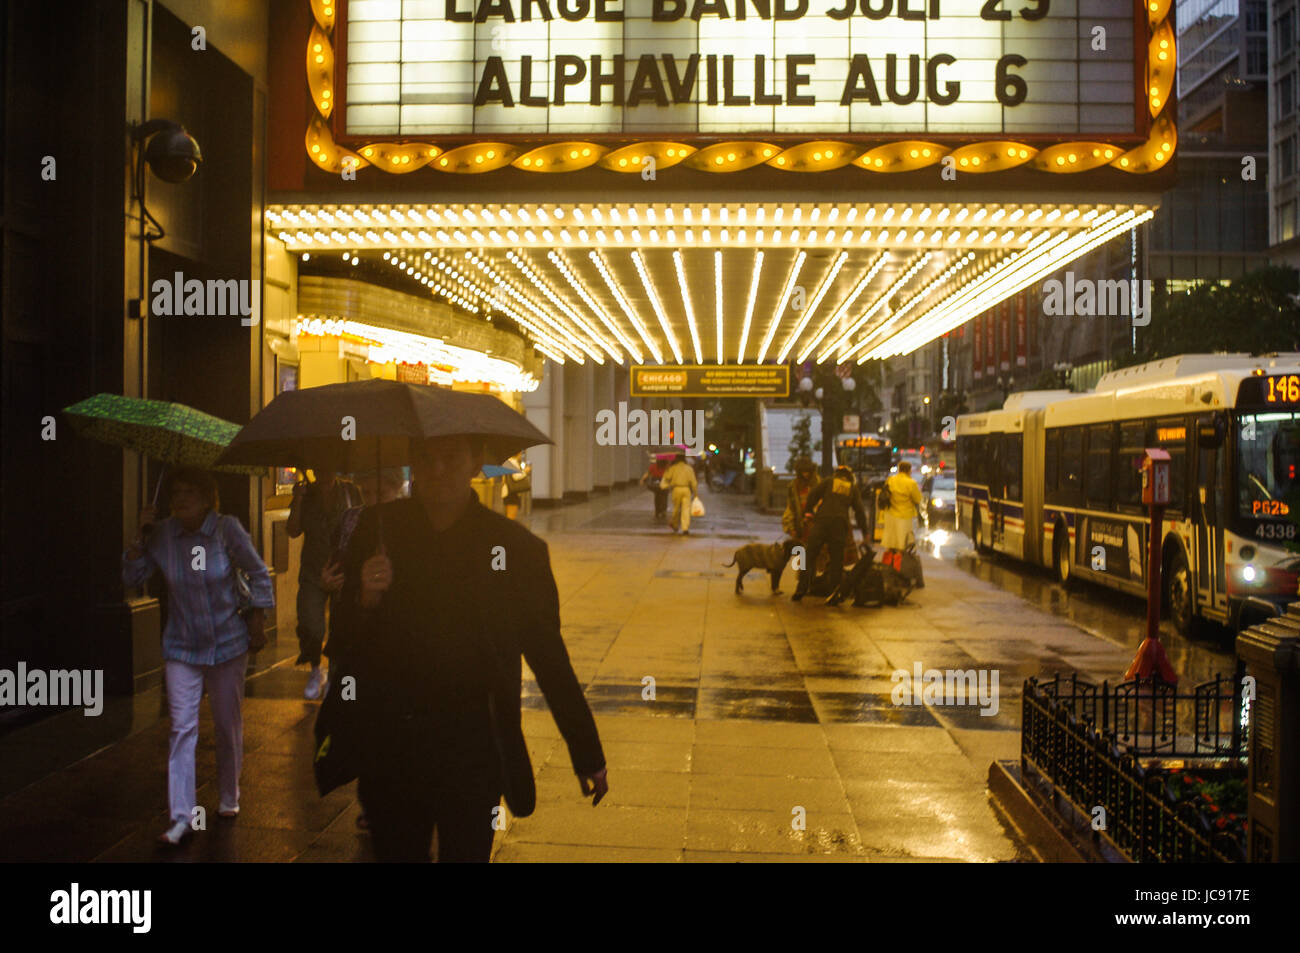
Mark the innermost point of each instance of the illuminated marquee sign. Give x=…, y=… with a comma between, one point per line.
x=709, y=381
x=492, y=67
x=1084, y=80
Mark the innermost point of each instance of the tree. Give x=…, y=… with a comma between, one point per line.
x=801, y=442
x=1257, y=313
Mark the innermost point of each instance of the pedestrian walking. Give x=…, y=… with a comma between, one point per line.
x=441, y=599
x=805, y=478
x=679, y=480
x=314, y=514
x=903, y=507
x=206, y=641
x=826, y=513
x=651, y=480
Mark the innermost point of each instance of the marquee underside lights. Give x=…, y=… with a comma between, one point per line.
x=957, y=85
x=700, y=283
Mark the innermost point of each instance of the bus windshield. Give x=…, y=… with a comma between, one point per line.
x=1267, y=456
x=864, y=453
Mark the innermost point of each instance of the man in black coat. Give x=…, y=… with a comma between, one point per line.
x=826, y=513
x=440, y=600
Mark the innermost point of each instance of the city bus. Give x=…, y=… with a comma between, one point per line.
x=1053, y=479
x=868, y=455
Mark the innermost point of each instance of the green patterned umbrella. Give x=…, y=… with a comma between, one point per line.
x=173, y=433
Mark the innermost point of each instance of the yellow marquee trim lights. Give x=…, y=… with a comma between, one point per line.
x=509, y=258
x=815, y=156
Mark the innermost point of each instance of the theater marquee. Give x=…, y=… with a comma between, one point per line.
x=560, y=85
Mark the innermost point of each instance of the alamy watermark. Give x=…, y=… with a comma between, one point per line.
x=1088, y=297
x=176, y=296
x=61, y=688
x=641, y=428
x=946, y=688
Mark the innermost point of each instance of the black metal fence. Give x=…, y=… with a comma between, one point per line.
x=1118, y=748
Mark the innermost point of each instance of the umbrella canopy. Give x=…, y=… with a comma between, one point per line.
x=372, y=423
x=173, y=433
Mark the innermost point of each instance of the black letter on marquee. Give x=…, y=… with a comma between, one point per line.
x=728, y=64
x=683, y=87
x=579, y=11
x=905, y=14
x=526, y=84
x=543, y=5
x=913, y=75
x=764, y=8
x=793, y=79
x=647, y=76
x=711, y=77
x=842, y=14
x=604, y=15
x=612, y=79
x=667, y=11
x=494, y=8
x=950, y=90
x=860, y=75
x=880, y=14
x=717, y=7
x=563, y=76
x=494, y=87
x=457, y=16
x=760, y=81
x=797, y=13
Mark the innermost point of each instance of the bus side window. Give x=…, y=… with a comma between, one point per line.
x=1128, y=476
x=1053, y=451
x=1071, y=479
x=1099, y=470
x=1013, y=464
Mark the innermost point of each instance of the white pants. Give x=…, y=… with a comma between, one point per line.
x=225, y=685
x=898, y=532
x=681, y=518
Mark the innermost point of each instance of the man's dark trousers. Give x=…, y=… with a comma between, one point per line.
x=402, y=816
x=832, y=533
x=421, y=784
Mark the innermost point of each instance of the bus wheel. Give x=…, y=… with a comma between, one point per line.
x=1061, y=555
x=1178, y=594
x=977, y=534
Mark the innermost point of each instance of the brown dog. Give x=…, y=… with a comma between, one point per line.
x=771, y=557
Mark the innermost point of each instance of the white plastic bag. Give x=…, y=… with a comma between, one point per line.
x=697, y=507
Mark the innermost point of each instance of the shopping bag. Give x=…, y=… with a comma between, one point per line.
x=697, y=508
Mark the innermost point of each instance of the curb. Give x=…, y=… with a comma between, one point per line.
x=1044, y=834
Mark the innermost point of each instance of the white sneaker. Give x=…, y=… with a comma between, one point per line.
x=176, y=833
x=317, y=685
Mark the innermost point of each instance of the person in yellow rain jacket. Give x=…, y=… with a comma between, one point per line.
x=680, y=481
x=904, y=507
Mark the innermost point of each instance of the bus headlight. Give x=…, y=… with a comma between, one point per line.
x=938, y=504
x=1248, y=573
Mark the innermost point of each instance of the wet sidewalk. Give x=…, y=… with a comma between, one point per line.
x=771, y=734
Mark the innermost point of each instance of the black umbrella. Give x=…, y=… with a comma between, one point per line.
x=372, y=423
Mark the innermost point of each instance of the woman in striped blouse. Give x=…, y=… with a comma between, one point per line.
x=206, y=640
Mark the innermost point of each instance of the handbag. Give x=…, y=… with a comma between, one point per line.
x=243, y=586
x=336, y=761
